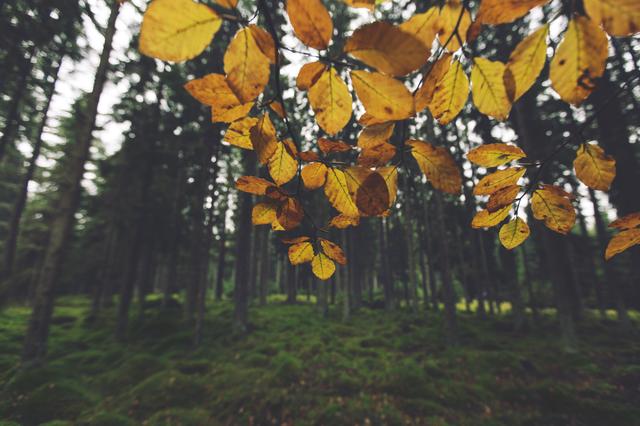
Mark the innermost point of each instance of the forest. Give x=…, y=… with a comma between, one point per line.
x=319, y=212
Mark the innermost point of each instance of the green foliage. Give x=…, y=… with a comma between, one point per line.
x=296, y=366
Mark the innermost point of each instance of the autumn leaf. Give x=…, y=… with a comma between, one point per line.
x=450, y=94
x=423, y=26
x=239, y=133
x=579, y=61
x=594, y=168
x=229, y=4
x=309, y=74
x=314, y=175
x=253, y=185
x=619, y=18
x=328, y=146
x=264, y=213
x=622, y=241
x=342, y=221
x=514, y=233
x=263, y=138
x=438, y=165
x=333, y=251
x=214, y=90
x=295, y=240
x=488, y=88
x=387, y=48
x=372, y=194
x=265, y=42
x=505, y=11
x=311, y=22
x=526, y=63
x=247, y=68
x=390, y=175
x=308, y=156
x=495, y=154
x=322, y=266
x=487, y=219
x=376, y=134
x=365, y=4
x=450, y=16
x=377, y=156
x=301, y=253
x=282, y=165
x=177, y=30
x=337, y=191
x=549, y=205
x=629, y=221
x=503, y=197
x=433, y=76
x=331, y=101
x=498, y=180
x=382, y=96
x=290, y=213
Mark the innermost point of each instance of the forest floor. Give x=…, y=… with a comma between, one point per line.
x=296, y=368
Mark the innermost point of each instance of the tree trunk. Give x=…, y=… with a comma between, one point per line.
x=21, y=200
x=447, y=280
x=35, y=345
x=222, y=252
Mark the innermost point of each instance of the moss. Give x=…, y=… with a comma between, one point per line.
x=181, y=417
x=104, y=418
x=286, y=367
x=56, y=401
x=164, y=389
x=132, y=371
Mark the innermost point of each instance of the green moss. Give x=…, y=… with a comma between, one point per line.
x=104, y=418
x=286, y=367
x=133, y=370
x=181, y=417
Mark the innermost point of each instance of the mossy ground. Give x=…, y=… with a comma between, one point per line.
x=297, y=368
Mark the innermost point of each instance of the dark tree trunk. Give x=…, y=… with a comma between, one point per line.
x=35, y=345
x=447, y=280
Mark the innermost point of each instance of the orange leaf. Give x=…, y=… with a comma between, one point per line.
x=438, y=165
x=333, y=251
x=311, y=22
x=498, y=180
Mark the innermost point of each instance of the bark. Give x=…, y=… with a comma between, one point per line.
x=222, y=251
x=385, y=269
x=510, y=275
x=21, y=200
x=447, y=280
x=243, y=250
x=35, y=345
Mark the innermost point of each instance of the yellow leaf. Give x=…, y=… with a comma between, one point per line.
x=333, y=251
x=503, y=197
x=619, y=18
x=390, y=175
x=514, y=233
x=377, y=155
x=277, y=108
x=526, y=63
x=337, y=191
x=434, y=75
x=505, y=11
x=314, y=175
x=364, y=4
x=331, y=101
x=423, y=26
x=438, y=165
x=290, y=214
x=342, y=222
x=322, y=266
x=594, y=168
x=177, y=30
x=246, y=66
x=387, y=48
x=263, y=138
x=213, y=90
x=495, y=154
x=450, y=95
x=488, y=88
x=629, y=221
x=282, y=165
x=623, y=241
x=239, y=133
x=263, y=213
x=311, y=22
x=383, y=97
x=309, y=74
x=487, y=219
x=253, y=185
x=580, y=60
x=229, y=4
x=376, y=134
x=548, y=205
x=498, y=180
x=296, y=240
x=265, y=42
x=301, y=253
x=447, y=20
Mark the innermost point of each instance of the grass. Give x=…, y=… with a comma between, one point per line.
x=297, y=368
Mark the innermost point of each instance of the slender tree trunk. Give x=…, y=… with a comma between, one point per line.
x=533, y=304
x=35, y=345
x=14, y=108
x=21, y=200
x=222, y=252
x=447, y=280
x=243, y=249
